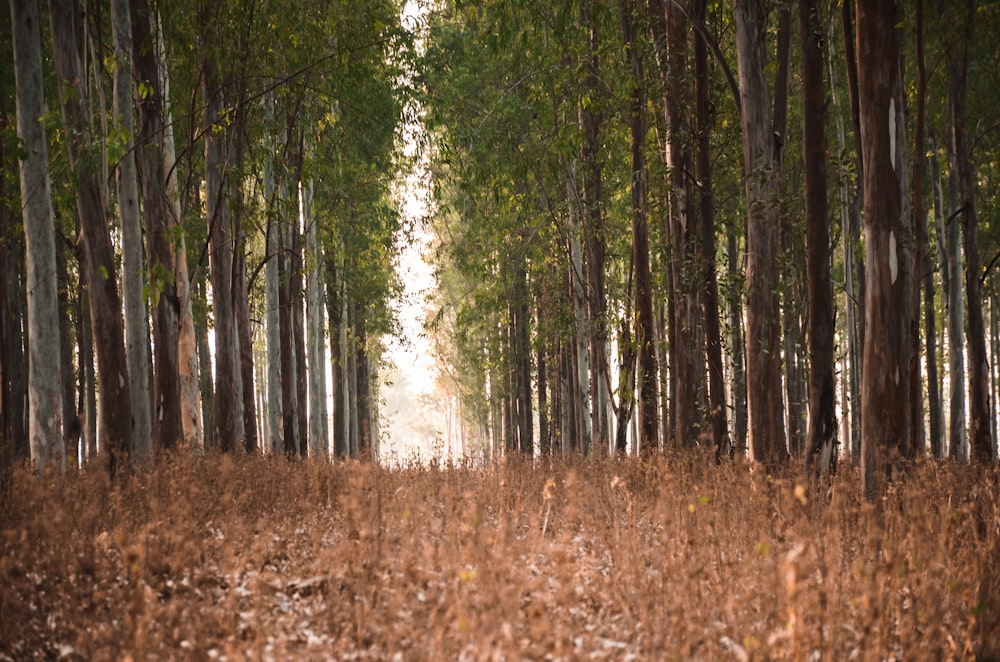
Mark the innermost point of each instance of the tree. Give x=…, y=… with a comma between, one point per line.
x=888, y=247
x=137, y=351
x=96, y=253
x=981, y=446
x=645, y=336
x=706, y=220
x=159, y=222
x=761, y=169
x=45, y=420
x=821, y=439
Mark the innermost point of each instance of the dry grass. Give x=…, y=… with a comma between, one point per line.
x=252, y=558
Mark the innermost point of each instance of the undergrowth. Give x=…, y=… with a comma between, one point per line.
x=219, y=557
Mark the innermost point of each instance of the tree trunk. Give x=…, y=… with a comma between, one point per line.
x=272, y=307
x=205, y=368
x=706, y=220
x=822, y=428
x=595, y=243
x=918, y=223
x=334, y=309
x=167, y=417
x=45, y=421
x=298, y=335
x=981, y=446
x=318, y=432
x=854, y=268
x=763, y=348
x=13, y=349
x=888, y=247
x=687, y=369
x=133, y=265
x=193, y=427
x=645, y=337
x=98, y=258
x=227, y=416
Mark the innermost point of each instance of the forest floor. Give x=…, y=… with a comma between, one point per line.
x=222, y=558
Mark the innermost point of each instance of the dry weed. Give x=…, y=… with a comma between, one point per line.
x=671, y=558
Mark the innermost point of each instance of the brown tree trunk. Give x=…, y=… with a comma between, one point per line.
x=645, y=339
x=763, y=342
x=228, y=415
x=981, y=446
x=888, y=247
x=595, y=244
x=13, y=350
x=706, y=219
x=98, y=257
x=687, y=378
x=916, y=442
x=167, y=415
x=822, y=428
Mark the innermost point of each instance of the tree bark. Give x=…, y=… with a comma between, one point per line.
x=706, y=220
x=888, y=247
x=763, y=348
x=13, y=349
x=133, y=265
x=916, y=443
x=318, y=429
x=227, y=416
x=167, y=417
x=981, y=445
x=45, y=420
x=822, y=427
x=645, y=339
x=98, y=259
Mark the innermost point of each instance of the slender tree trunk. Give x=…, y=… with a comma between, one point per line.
x=289, y=392
x=334, y=309
x=227, y=416
x=822, y=427
x=95, y=239
x=272, y=309
x=706, y=220
x=645, y=336
x=766, y=413
x=167, y=417
x=366, y=447
x=687, y=375
x=981, y=446
x=45, y=421
x=888, y=247
x=205, y=369
x=193, y=427
x=66, y=332
x=854, y=268
x=298, y=335
x=737, y=342
x=318, y=432
x=13, y=349
x=936, y=445
x=916, y=443
x=133, y=266
x=541, y=368
x=595, y=242
x=582, y=370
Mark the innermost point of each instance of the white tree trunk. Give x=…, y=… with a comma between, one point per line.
x=577, y=276
x=272, y=306
x=316, y=350
x=133, y=268
x=45, y=424
x=187, y=352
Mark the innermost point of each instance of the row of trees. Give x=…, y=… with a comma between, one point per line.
x=211, y=205
x=652, y=216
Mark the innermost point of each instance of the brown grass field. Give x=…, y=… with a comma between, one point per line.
x=221, y=558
